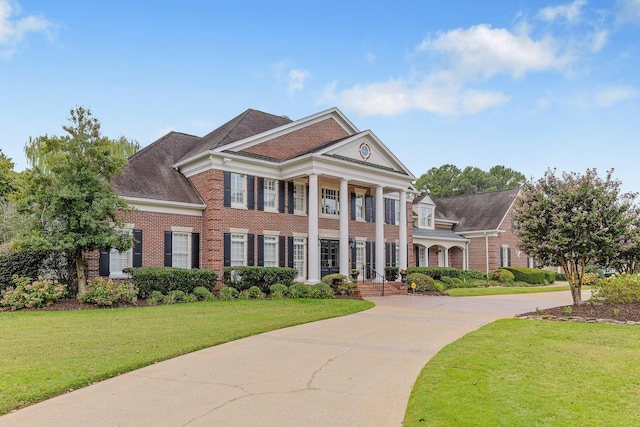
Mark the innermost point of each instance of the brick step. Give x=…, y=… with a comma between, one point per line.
x=390, y=288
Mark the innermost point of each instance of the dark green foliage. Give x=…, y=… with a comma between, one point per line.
x=437, y=273
x=422, y=281
x=175, y=296
x=449, y=180
x=321, y=291
x=472, y=275
x=227, y=293
x=242, y=277
x=452, y=282
x=166, y=279
x=203, y=294
x=391, y=274
x=155, y=298
x=255, y=293
x=299, y=290
x=561, y=276
x=278, y=287
x=501, y=275
x=528, y=275
x=33, y=263
x=594, y=269
x=107, y=292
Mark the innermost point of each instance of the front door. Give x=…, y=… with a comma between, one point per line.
x=329, y=257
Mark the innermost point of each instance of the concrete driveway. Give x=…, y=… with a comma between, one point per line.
x=356, y=370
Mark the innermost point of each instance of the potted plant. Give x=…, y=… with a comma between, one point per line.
x=354, y=274
x=403, y=275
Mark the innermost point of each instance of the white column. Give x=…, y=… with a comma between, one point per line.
x=380, y=231
x=446, y=257
x=344, y=227
x=312, y=244
x=403, y=231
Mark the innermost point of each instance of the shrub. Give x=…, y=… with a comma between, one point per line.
x=561, y=276
x=321, y=291
x=202, y=294
x=34, y=263
x=166, y=279
x=472, y=275
x=190, y=298
x=451, y=282
x=618, y=289
x=243, y=277
x=422, y=281
x=437, y=273
x=174, y=297
x=339, y=283
x=255, y=293
x=278, y=288
x=391, y=274
x=244, y=295
x=227, y=293
x=299, y=290
x=533, y=276
x=27, y=294
x=155, y=298
x=104, y=293
x=590, y=279
x=501, y=275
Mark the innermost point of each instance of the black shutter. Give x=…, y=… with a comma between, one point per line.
x=367, y=258
x=290, y=201
x=104, y=263
x=227, y=189
x=281, y=196
x=387, y=253
x=353, y=206
x=393, y=211
x=283, y=254
x=367, y=208
x=137, y=248
x=168, y=251
x=373, y=254
x=353, y=256
x=416, y=256
x=509, y=257
x=394, y=261
x=260, y=193
x=290, y=243
x=387, y=211
x=195, y=250
x=250, y=249
x=373, y=209
x=250, y=192
x=227, y=249
x=306, y=189
x=260, y=250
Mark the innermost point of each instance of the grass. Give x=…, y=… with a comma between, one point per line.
x=474, y=292
x=532, y=373
x=44, y=354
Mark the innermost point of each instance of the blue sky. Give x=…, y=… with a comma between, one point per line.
x=527, y=84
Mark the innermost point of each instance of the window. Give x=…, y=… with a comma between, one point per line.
x=330, y=201
x=505, y=256
x=180, y=250
x=360, y=257
x=397, y=257
x=238, y=188
x=422, y=257
x=299, y=198
x=425, y=217
x=118, y=261
x=270, y=191
x=238, y=249
x=397, y=207
x=270, y=251
x=299, y=256
x=359, y=206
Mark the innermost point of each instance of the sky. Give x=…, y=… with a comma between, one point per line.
x=530, y=85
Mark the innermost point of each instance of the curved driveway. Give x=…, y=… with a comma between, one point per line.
x=356, y=370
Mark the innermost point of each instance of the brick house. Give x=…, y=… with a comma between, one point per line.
x=315, y=194
x=468, y=232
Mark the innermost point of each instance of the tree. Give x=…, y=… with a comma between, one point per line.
x=7, y=177
x=448, y=180
x=71, y=206
x=628, y=259
x=572, y=221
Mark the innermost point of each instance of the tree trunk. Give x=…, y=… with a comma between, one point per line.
x=80, y=271
x=576, y=293
x=574, y=277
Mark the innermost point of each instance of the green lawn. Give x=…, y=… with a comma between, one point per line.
x=475, y=292
x=44, y=354
x=516, y=372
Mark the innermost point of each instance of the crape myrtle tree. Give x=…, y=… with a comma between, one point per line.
x=68, y=199
x=572, y=221
x=628, y=259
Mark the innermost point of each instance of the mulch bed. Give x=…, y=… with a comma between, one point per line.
x=617, y=312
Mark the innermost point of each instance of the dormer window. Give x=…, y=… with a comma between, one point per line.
x=425, y=217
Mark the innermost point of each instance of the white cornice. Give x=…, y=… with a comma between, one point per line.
x=164, y=206
x=480, y=233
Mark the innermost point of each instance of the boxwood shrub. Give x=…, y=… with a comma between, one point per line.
x=437, y=273
x=243, y=277
x=33, y=263
x=533, y=276
x=167, y=279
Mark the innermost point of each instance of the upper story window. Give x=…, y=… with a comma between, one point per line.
x=238, y=190
x=330, y=201
x=397, y=209
x=270, y=194
x=299, y=198
x=425, y=217
x=359, y=207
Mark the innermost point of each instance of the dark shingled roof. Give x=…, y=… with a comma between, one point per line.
x=436, y=234
x=475, y=212
x=250, y=123
x=150, y=173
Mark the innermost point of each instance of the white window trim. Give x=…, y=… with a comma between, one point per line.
x=234, y=203
x=301, y=241
x=321, y=204
x=239, y=236
x=273, y=208
x=361, y=195
x=303, y=186
x=174, y=234
x=127, y=228
x=271, y=240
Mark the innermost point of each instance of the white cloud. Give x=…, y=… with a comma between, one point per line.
x=571, y=11
x=482, y=51
x=296, y=80
x=599, y=40
x=13, y=30
x=370, y=58
x=628, y=11
x=613, y=95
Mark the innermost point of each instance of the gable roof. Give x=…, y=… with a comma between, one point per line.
x=476, y=212
x=251, y=122
x=150, y=173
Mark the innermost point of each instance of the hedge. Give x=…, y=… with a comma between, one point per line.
x=437, y=273
x=33, y=263
x=532, y=275
x=242, y=277
x=167, y=279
